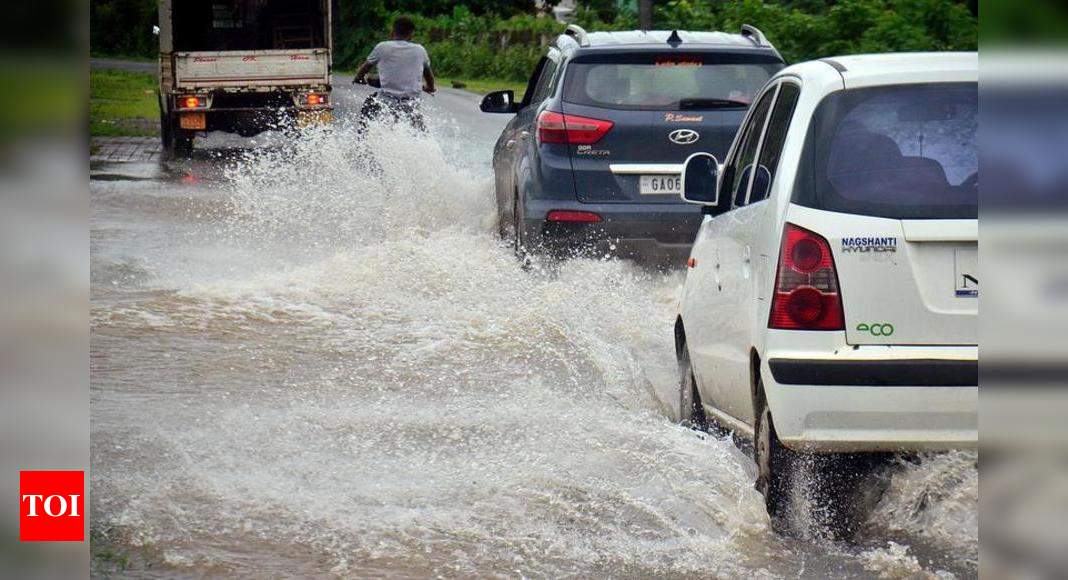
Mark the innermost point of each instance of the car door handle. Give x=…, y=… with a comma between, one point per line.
x=747, y=267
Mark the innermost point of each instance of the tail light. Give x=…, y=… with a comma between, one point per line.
x=806, y=285
x=316, y=99
x=192, y=102
x=559, y=215
x=555, y=127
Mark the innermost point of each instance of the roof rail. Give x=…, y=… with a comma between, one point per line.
x=575, y=31
x=754, y=34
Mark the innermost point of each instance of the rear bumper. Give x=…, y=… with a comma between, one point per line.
x=875, y=398
x=656, y=233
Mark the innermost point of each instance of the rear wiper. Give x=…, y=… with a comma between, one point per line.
x=685, y=104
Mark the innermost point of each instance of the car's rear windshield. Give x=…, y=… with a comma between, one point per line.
x=905, y=151
x=668, y=81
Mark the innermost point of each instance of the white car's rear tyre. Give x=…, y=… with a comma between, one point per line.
x=775, y=466
x=833, y=485
x=691, y=411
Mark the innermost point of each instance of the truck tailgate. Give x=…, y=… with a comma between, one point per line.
x=266, y=68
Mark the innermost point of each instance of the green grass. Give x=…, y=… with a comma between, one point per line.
x=483, y=86
x=122, y=103
x=39, y=96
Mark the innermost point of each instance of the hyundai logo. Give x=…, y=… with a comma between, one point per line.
x=683, y=136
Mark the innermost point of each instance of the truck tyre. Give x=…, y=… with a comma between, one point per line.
x=175, y=141
x=183, y=143
x=166, y=135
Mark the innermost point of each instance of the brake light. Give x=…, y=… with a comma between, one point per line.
x=806, y=284
x=316, y=99
x=555, y=127
x=559, y=215
x=192, y=102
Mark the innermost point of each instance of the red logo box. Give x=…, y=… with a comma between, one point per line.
x=51, y=506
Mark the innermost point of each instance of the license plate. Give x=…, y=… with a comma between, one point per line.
x=668, y=184
x=313, y=118
x=193, y=121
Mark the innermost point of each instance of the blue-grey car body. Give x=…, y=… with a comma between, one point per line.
x=533, y=178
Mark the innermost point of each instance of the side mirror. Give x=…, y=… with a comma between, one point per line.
x=499, y=102
x=700, y=179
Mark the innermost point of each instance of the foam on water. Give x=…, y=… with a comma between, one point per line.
x=368, y=380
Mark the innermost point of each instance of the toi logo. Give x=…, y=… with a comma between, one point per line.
x=51, y=506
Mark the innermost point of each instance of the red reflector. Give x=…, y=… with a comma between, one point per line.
x=559, y=215
x=806, y=284
x=554, y=127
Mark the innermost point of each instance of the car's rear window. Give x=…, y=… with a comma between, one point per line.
x=668, y=81
x=901, y=152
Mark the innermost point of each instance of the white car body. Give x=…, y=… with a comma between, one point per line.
x=902, y=373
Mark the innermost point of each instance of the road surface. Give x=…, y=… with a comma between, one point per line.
x=313, y=358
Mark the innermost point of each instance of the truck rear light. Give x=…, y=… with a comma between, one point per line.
x=192, y=102
x=316, y=99
x=560, y=215
x=806, y=284
x=555, y=127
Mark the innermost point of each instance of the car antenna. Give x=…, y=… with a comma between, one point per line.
x=674, y=40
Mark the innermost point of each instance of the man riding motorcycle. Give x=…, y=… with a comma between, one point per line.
x=402, y=67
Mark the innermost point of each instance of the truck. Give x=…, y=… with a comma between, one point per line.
x=242, y=66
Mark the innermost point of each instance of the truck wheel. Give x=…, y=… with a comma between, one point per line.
x=775, y=465
x=166, y=135
x=183, y=143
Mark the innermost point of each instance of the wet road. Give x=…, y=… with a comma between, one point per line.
x=303, y=367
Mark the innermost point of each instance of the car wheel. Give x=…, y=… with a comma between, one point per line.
x=518, y=242
x=833, y=485
x=691, y=411
x=775, y=465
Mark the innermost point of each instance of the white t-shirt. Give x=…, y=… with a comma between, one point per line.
x=400, y=66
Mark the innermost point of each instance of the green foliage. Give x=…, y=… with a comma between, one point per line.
x=842, y=27
x=503, y=39
x=123, y=27
x=122, y=103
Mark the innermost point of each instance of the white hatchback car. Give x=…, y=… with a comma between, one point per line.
x=832, y=299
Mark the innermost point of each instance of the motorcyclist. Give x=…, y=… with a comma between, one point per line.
x=402, y=67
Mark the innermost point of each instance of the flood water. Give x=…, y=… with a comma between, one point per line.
x=319, y=360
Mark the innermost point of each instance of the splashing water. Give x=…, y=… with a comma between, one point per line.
x=347, y=373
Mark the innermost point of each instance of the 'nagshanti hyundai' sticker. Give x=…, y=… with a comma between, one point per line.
x=868, y=244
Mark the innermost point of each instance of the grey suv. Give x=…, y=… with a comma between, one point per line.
x=592, y=160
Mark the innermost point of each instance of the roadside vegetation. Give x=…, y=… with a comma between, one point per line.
x=122, y=103
x=502, y=39
x=41, y=96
